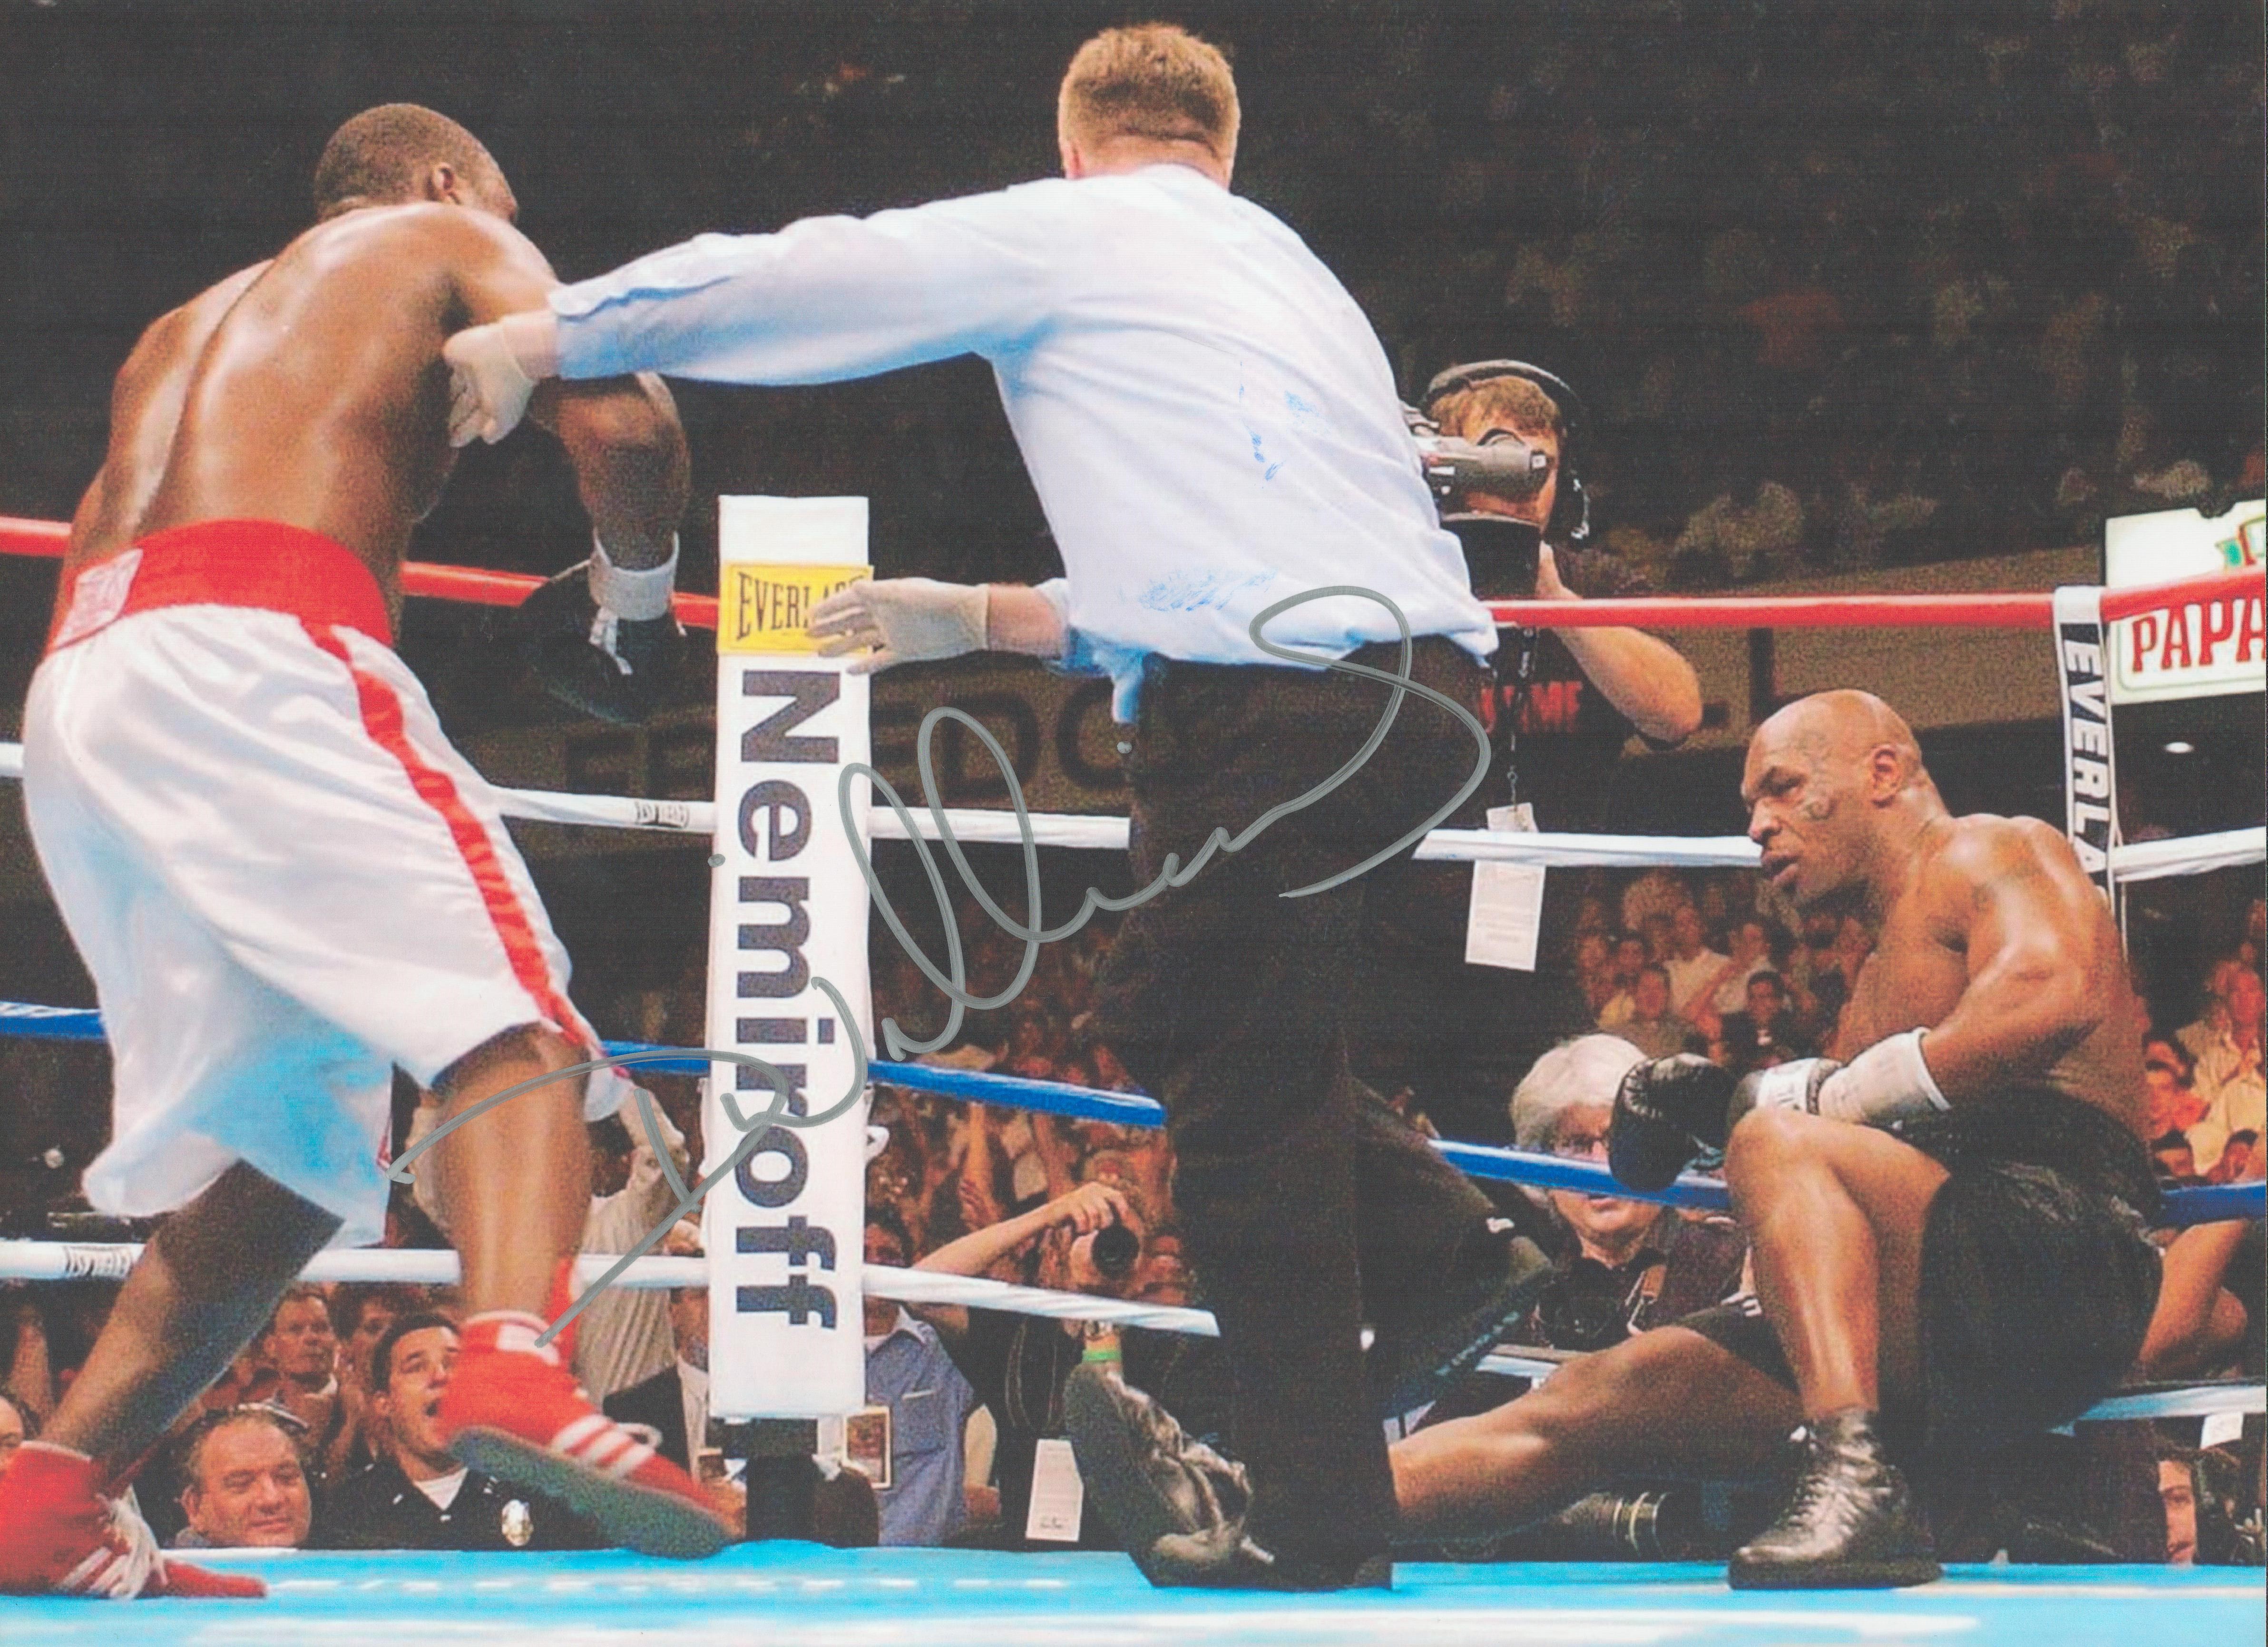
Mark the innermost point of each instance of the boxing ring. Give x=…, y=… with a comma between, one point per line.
x=793, y=1593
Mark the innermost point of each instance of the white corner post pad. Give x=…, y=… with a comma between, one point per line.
x=788, y=909
x=1890, y=1081
x=637, y=597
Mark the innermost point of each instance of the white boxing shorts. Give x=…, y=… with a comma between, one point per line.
x=282, y=876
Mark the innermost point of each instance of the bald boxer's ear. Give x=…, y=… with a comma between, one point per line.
x=1886, y=771
x=442, y=183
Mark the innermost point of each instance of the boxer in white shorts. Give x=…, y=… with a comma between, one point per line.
x=283, y=879
x=278, y=908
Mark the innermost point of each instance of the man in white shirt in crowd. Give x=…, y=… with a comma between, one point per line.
x=1694, y=969
x=306, y=1352
x=244, y=1484
x=1214, y=432
x=2226, y=1044
x=622, y=1337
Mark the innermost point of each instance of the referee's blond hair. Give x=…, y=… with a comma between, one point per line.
x=1150, y=84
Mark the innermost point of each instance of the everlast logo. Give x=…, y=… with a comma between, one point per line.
x=767, y=605
x=2089, y=785
x=773, y=819
x=774, y=604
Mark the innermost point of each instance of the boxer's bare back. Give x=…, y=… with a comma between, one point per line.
x=310, y=391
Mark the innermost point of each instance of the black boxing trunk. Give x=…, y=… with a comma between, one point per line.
x=2038, y=1275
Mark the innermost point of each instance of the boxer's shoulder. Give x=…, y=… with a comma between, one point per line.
x=1976, y=860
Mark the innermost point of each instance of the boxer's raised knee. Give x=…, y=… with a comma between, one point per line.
x=1764, y=1139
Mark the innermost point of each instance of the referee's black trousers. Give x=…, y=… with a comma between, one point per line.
x=1308, y=1208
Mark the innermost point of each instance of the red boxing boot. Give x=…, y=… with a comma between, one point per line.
x=60, y=1536
x=513, y=1410
x=563, y=1299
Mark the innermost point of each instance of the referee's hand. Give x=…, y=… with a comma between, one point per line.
x=901, y=621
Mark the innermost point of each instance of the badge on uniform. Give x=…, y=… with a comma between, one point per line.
x=517, y=1523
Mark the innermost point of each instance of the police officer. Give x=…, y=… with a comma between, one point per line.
x=417, y=1496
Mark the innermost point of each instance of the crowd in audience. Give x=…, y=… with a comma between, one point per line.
x=1954, y=287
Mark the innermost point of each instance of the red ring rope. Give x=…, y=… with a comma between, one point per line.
x=466, y=583
x=2031, y=610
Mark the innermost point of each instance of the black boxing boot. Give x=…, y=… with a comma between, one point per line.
x=1224, y=1558
x=1148, y=1477
x=1850, y=1524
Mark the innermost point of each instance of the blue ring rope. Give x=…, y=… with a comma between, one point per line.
x=2210, y=1203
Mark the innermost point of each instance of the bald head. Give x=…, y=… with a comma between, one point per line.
x=1828, y=780
x=1843, y=724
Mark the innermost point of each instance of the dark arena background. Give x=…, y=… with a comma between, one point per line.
x=1863, y=296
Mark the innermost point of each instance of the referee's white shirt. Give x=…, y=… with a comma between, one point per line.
x=1209, y=421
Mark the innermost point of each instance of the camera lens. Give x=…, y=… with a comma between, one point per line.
x=1115, y=1250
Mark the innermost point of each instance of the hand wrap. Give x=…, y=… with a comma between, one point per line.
x=1888, y=1082
x=603, y=640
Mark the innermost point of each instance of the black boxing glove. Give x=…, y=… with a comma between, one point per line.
x=602, y=640
x=1666, y=1112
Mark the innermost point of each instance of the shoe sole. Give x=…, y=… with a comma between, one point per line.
x=642, y=1519
x=1111, y=1467
x=1425, y=1369
x=1900, y=1574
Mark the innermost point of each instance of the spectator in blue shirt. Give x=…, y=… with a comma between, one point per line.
x=908, y=1372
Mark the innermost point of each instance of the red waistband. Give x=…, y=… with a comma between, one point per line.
x=257, y=563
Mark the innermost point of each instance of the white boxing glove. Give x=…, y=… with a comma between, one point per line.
x=902, y=619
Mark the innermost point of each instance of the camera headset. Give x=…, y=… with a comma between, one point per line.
x=1571, y=511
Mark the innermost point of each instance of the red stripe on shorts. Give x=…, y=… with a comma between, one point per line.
x=382, y=719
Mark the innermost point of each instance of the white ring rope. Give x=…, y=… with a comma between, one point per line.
x=74, y=1260
x=2147, y=860
x=2189, y=855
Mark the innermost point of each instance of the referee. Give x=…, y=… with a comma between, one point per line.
x=1213, y=429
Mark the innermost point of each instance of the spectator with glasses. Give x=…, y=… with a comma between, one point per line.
x=1625, y=1265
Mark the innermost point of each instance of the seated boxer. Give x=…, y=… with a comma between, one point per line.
x=1949, y=1227
x=283, y=879
x=1948, y=1223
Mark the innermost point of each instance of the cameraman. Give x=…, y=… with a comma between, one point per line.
x=1562, y=706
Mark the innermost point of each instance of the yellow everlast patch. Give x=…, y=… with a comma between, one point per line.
x=764, y=608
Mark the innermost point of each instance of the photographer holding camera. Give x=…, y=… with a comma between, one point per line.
x=1086, y=1241
x=1502, y=445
